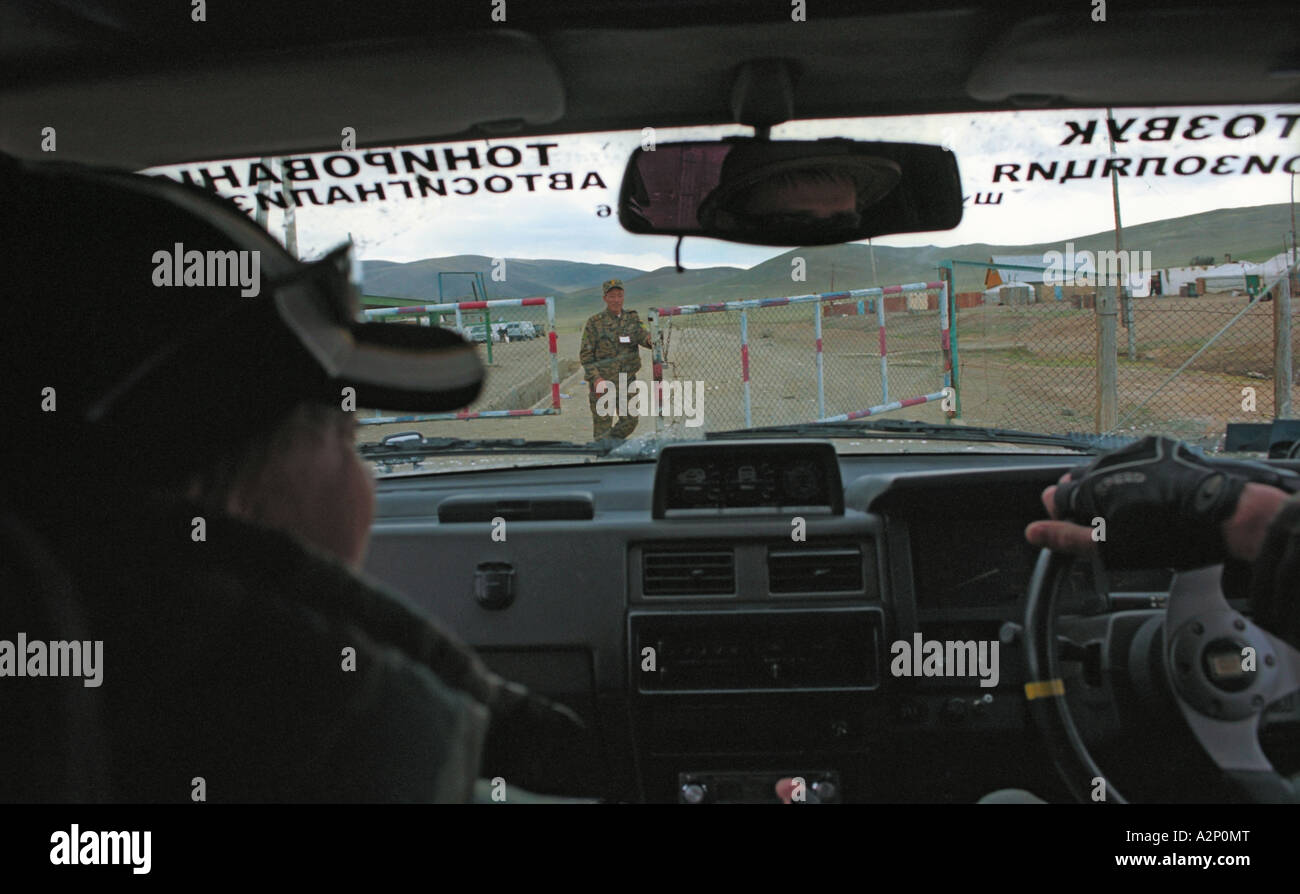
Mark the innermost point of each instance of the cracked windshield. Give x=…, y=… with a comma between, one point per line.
x=1114, y=274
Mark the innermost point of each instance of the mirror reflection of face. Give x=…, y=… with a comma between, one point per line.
x=813, y=197
x=614, y=301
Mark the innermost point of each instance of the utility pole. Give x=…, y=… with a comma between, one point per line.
x=1119, y=250
x=290, y=225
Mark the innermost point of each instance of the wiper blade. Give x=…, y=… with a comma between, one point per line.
x=910, y=428
x=406, y=446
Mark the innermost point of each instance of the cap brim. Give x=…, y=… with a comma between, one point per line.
x=391, y=365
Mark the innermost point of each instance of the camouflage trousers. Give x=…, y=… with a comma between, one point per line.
x=603, y=426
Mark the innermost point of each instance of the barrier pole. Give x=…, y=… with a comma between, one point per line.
x=553, y=343
x=821, y=375
x=884, y=363
x=744, y=364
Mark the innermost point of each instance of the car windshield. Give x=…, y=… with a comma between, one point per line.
x=1113, y=275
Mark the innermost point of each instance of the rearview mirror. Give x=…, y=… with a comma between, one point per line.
x=790, y=192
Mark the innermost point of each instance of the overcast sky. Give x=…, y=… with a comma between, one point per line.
x=565, y=225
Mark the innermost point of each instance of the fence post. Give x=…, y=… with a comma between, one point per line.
x=1107, y=359
x=821, y=374
x=1282, y=372
x=552, y=343
x=884, y=364
x=744, y=363
x=949, y=276
x=656, y=367
x=945, y=344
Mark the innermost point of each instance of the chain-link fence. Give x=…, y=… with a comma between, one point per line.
x=803, y=358
x=1182, y=363
x=516, y=341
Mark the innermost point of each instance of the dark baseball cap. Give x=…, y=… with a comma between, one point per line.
x=170, y=326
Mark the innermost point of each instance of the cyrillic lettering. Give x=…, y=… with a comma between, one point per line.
x=1159, y=163
x=1082, y=134
x=352, y=165
x=1166, y=132
x=513, y=154
x=1256, y=125
x=1178, y=165
x=266, y=199
x=505, y=183
x=1290, y=119
x=1069, y=170
x=1256, y=162
x=210, y=180
x=473, y=185
x=1010, y=175
x=1222, y=160
x=311, y=194
x=1117, y=133
x=427, y=186
x=530, y=179
x=1118, y=165
x=406, y=187
x=1196, y=124
x=453, y=160
x=331, y=198
x=562, y=175
x=987, y=198
x=377, y=192
x=1047, y=173
x=543, y=151
x=430, y=162
x=592, y=175
x=299, y=169
x=381, y=160
x=257, y=172
x=1293, y=160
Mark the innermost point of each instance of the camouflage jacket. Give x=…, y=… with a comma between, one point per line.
x=603, y=354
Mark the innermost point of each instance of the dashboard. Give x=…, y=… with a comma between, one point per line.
x=737, y=612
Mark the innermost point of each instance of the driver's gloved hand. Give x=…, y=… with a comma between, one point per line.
x=1163, y=505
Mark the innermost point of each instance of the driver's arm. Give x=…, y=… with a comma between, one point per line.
x=1164, y=506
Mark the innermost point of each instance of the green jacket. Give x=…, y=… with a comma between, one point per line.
x=604, y=354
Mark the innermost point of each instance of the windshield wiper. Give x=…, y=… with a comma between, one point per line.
x=409, y=446
x=909, y=428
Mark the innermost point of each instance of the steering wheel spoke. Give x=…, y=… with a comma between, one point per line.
x=1223, y=669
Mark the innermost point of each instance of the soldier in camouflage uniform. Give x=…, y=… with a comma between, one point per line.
x=610, y=343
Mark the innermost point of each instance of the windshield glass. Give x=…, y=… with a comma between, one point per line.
x=1108, y=277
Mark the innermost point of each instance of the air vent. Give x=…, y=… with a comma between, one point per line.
x=815, y=570
x=688, y=573
x=478, y=509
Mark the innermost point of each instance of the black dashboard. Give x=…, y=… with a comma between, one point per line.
x=720, y=622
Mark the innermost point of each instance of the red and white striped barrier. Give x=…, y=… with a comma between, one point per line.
x=880, y=293
x=551, y=342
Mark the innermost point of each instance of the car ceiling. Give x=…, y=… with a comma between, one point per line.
x=136, y=83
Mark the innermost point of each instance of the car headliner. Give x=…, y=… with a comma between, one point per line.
x=136, y=83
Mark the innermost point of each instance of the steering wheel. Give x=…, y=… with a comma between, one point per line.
x=1220, y=687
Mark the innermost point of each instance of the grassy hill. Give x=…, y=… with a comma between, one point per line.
x=1245, y=233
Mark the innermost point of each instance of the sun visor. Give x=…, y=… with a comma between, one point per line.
x=1172, y=57
x=390, y=91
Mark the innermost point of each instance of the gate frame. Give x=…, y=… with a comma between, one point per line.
x=817, y=299
x=486, y=306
